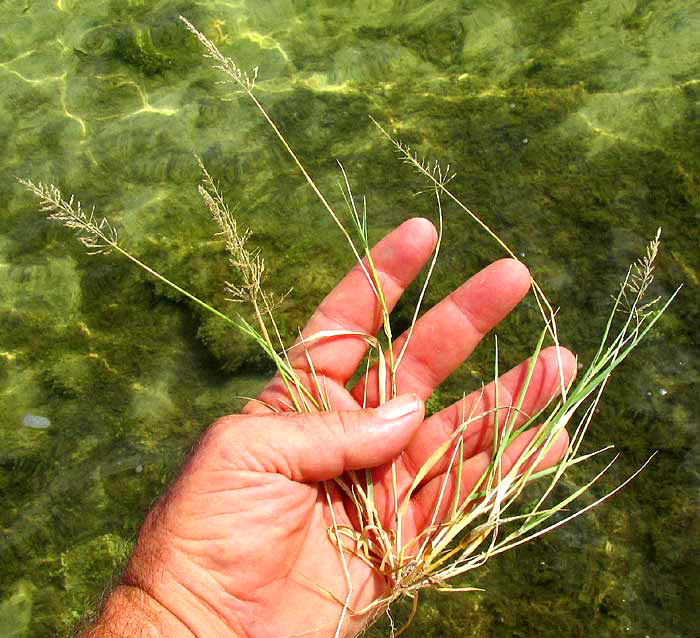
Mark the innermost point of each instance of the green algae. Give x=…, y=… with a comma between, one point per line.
x=16, y=611
x=574, y=130
x=86, y=568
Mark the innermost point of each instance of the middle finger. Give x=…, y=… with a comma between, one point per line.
x=448, y=333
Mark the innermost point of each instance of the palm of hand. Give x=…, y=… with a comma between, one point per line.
x=250, y=513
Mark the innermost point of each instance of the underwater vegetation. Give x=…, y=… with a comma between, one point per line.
x=574, y=131
x=477, y=526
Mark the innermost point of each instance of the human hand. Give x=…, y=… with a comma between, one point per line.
x=239, y=546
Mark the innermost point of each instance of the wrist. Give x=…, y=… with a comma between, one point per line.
x=129, y=611
x=191, y=599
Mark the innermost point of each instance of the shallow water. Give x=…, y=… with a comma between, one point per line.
x=574, y=128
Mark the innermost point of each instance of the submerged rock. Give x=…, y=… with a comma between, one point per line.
x=35, y=421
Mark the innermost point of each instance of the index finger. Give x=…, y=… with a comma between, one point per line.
x=353, y=305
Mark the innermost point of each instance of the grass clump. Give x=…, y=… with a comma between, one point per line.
x=492, y=518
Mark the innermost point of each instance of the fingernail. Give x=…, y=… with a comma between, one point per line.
x=396, y=408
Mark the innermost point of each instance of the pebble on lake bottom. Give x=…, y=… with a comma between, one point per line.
x=35, y=421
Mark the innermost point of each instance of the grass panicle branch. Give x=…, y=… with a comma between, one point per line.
x=98, y=236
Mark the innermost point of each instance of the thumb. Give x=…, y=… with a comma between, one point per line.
x=322, y=445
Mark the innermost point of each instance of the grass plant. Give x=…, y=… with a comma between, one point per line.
x=492, y=518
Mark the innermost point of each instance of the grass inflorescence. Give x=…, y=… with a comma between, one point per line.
x=491, y=518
